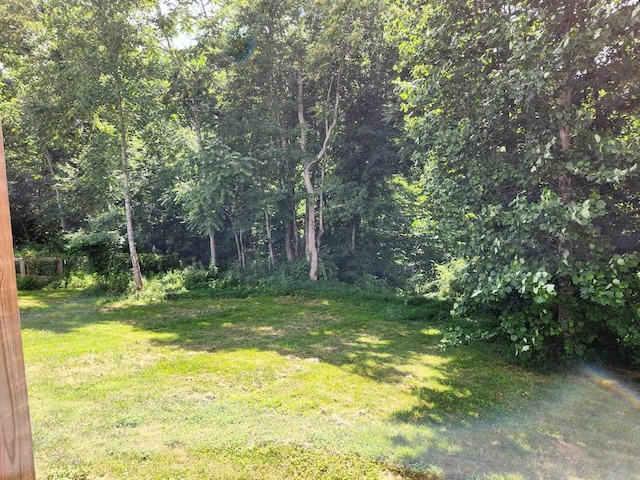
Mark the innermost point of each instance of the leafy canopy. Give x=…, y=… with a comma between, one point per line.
x=525, y=117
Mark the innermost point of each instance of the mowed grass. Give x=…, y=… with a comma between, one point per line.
x=299, y=388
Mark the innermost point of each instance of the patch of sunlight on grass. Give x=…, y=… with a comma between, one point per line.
x=372, y=340
x=431, y=332
x=31, y=302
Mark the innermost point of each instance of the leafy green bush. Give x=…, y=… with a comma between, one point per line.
x=536, y=189
x=198, y=277
x=162, y=287
x=116, y=283
x=30, y=282
x=103, y=251
x=78, y=280
x=156, y=263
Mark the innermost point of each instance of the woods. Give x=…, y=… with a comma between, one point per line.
x=484, y=150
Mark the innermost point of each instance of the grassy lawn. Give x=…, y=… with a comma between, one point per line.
x=296, y=388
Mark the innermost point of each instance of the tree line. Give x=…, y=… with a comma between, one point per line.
x=487, y=146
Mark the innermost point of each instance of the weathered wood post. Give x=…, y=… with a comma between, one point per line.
x=21, y=265
x=16, y=455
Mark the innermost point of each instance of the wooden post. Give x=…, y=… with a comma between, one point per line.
x=16, y=446
x=23, y=271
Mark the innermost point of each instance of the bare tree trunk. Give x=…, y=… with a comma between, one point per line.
x=238, y=249
x=311, y=248
x=212, y=248
x=288, y=240
x=49, y=160
x=296, y=237
x=311, y=240
x=564, y=192
x=242, y=260
x=137, y=275
x=354, y=233
x=237, y=235
x=272, y=257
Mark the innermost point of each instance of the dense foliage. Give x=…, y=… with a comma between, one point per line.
x=526, y=120
x=475, y=149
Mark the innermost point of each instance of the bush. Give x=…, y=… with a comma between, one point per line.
x=117, y=283
x=198, y=277
x=30, y=282
x=162, y=287
x=78, y=280
x=156, y=263
x=600, y=309
x=103, y=251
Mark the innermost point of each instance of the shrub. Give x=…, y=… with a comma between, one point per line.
x=162, y=287
x=156, y=263
x=117, y=283
x=197, y=277
x=30, y=282
x=103, y=251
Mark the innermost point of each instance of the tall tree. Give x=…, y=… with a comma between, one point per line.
x=39, y=127
x=301, y=51
x=111, y=51
x=211, y=176
x=258, y=107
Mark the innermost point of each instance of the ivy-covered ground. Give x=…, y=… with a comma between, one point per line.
x=303, y=388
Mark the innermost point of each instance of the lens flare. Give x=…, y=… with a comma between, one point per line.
x=611, y=384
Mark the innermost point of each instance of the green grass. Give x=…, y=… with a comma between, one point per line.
x=301, y=388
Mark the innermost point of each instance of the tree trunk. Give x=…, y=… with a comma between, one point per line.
x=311, y=245
x=242, y=260
x=354, y=232
x=310, y=220
x=272, y=257
x=16, y=445
x=49, y=160
x=212, y=249
x=311, y=238
x=288, y=240
x=137, y=275
x=296, y=237
x=237, y=235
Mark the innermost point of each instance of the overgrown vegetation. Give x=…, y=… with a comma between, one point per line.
x=480, y=152
x=525, y=117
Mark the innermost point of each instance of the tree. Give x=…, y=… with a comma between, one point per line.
x=110, y=51
x=211, y=176
x=259, y=112
x=40, y=131
x=301, y=51
x=526, y=117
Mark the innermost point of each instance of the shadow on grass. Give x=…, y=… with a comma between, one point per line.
x=579, y=431
x=372, y=340
x=59, y=311
x=492, y=419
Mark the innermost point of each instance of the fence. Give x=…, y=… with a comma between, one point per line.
x=39, y=267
